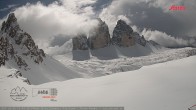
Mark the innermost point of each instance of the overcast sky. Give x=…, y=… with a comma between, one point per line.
x=55, y=21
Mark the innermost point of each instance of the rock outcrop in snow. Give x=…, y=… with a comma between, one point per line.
x=14, y=74
x=18, y=75
x=99, y=37
x=3, y=50
x=125, y=42
x=14, y=44
x=80, y=42
x=139, y=39
x=122, y=35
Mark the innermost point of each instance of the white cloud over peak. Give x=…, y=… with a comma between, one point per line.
x=154, y=19
x=112, y=14
x=66, y=18
x=166, y=40
x=59, y=18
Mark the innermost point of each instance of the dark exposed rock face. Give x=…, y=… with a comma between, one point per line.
x=80, y=42
x=10, y=26
x=122, y=34
x=3, y=50
x=99, y=37
x=15, y=44
x=18, y=74
x=142, y=41
x=139, y=39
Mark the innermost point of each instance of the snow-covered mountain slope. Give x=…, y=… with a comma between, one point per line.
x=19, y=51
x=96, y=67
x=49, y=70
x=111, y=52
x=106, y=53
x=164, y=86
x=98, y=44
x=12, y=75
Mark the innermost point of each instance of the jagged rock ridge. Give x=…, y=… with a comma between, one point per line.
x=80, y=42
x=100, y=36
x=15, y=44
x=18, y=74
x=123, y=36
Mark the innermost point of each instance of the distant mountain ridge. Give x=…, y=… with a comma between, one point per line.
x=100, y=44
x=99, y=37
x=19, y=52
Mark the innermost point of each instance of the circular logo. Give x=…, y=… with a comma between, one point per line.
x=18, y=94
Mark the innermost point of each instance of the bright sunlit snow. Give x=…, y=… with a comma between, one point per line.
x=164, y=86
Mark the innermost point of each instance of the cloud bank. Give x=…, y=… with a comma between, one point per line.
x=153, y=19
x=59, y=18
x=166, y=40
x=52, y=25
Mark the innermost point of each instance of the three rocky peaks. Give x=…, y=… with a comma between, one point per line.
x=18, y=46
x=99, y=37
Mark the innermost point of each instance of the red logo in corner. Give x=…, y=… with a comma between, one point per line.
x=177, y=8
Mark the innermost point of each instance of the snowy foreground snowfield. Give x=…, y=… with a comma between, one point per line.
x=164, y=86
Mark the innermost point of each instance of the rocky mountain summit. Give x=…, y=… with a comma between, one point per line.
x=122, y=34
x=17, y=46
x=80, y=42
x=19, y=52
x=99, y=37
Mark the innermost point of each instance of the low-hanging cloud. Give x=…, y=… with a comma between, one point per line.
x=153, y=19
x=166, y=40
x=52, y=25
x=155, y=14
x=110, y=15
x=64, y=17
